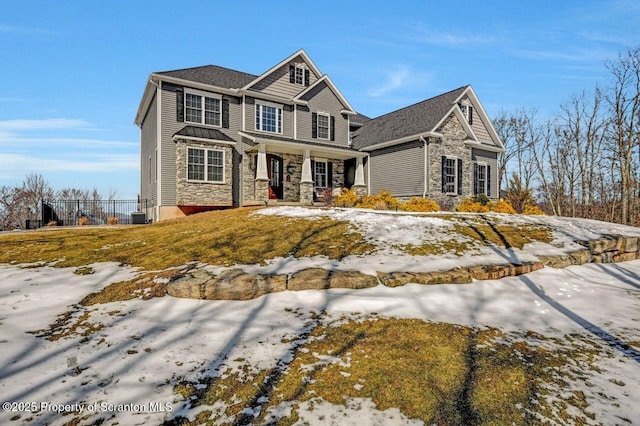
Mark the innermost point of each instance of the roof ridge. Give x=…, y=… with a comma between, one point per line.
x=421, y=102
x=205, y=66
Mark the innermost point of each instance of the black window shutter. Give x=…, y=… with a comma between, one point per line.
x=180, y=105
x=488, y=181
x=333, y=128
x=314, y=125
x=444, y=174
x=470, y=114
x=459, y=176
x=225, y=113
x=292, y=73
x=306, y=77
x=475, y=178
x=329, y=174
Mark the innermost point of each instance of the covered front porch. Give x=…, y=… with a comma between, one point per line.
x=282, y=171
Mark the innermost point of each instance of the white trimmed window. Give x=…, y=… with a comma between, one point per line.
x=323, y=126
x=481, y=179
x=268, y=117
x=202, y=109
x=321, y=173
x=467, y=111
x=299, y=74
x=205, y=165
x=450, y=175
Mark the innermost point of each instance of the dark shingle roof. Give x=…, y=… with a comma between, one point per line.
x=213, y=75
x=203, y=133
x=411, y=120
x=359, y=119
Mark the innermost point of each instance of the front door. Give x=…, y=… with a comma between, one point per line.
x=275, y=171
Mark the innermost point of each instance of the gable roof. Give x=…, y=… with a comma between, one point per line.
x=212, y=75
x=412, y=120
x=326, y=80
x=300, y=53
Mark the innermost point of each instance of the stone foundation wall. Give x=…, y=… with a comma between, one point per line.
x=203, y=193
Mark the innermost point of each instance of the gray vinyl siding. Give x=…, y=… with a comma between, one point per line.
x=491, y=159
x=277, y=83
x=398, y=169
x=479, y=127
x=148, y=136
x=287, y=117
x=322, y=99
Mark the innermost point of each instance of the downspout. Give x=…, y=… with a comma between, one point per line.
x=426, y=166
x=159, y=151
x=368, y=175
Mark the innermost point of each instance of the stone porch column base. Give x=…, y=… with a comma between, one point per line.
x=306, y=193
x=360, y=190
x=262, y=190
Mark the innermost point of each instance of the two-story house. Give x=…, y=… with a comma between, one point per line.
x=212, y=137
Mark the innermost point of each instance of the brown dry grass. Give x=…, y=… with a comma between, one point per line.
x=217, y=238
x=438, y=373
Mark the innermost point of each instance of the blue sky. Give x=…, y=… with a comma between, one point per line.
x=72, y=73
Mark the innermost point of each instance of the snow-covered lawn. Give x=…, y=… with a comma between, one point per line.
x=126, y=371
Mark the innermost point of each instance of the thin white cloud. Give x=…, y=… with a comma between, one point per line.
x=10, y=140
x=395, y=79
x=21, y=163
x=9, y=29
x=422, y=34
x=42, y=124
x=398, y=79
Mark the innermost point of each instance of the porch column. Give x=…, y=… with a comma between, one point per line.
x=262, y=177
x=359, y=186
x=261, y=167
x=306, y=182
x=306, y=168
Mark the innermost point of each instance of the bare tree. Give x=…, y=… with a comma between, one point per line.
x=623, y=99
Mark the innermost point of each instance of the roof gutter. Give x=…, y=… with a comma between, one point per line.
x=409, y=138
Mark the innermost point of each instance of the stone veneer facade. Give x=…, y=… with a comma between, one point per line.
x=203, y=193
x=451, y=145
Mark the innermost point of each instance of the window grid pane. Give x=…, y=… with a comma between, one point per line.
x=212, y=111
x=323, y=127
x=195, y=164
x=321, y=174
x=450, y=175
x=193, y=108
x=482, y=179
x=268, y=119
x=299, y=75
x=215, y=165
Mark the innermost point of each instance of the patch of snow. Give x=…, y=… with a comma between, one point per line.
x=146, y=347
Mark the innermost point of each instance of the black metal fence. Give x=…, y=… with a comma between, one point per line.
x=91, y=212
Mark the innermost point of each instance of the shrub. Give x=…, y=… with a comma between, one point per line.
x=533, y=210
x=83, y=221
x=113, y=220
x=419, y=204
x=502, y=206
x=52, y=223
x=468, y=205
x=482, y=199
x=347, y=198
x=326, y=196
x=382, y=201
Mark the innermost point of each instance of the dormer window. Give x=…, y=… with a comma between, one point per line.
x=298, y=74
x=467, y=111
